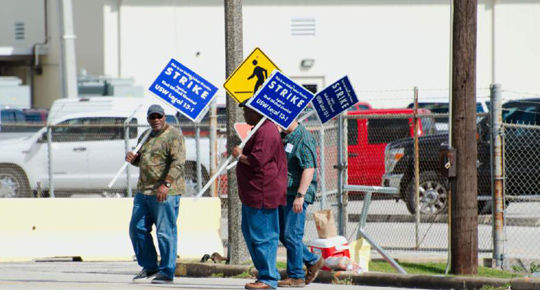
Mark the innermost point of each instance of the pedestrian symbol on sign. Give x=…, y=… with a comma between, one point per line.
x=249, y=76
x=260, y=73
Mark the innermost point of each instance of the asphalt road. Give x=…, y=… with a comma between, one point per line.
x=113, y=275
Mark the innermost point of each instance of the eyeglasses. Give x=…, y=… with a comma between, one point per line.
x=153, y=117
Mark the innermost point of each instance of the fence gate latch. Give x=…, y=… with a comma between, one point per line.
x=341, y=166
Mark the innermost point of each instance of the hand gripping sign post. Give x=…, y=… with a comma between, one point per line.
x=280, y=100
x=182, y=89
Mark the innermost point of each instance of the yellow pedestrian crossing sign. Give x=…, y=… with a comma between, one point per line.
x=249, y=75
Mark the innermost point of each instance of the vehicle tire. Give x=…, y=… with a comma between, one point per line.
x=13, y=183
x=433, y=193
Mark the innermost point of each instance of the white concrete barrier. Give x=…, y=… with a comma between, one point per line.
x=97, y=228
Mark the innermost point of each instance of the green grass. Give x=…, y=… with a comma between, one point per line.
x=504, y=287
x=243, y=275
x=435, y=269
x=281, y=265
x=426, y=269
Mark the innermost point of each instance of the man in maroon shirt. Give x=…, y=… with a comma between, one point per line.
x=262, y=186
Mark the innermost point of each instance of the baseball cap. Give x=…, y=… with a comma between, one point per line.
x=155, y=109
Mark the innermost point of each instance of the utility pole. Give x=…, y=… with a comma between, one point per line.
x=237, y=250
x=464, y=208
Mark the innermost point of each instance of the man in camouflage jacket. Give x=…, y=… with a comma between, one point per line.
x=161, y=182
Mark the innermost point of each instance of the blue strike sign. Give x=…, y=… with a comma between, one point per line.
x=280, y=99
x=185, y=90
x=334, y=99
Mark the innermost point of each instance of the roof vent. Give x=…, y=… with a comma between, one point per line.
x=303, y=26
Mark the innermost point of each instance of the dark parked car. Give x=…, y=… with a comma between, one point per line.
x=438, y=107
x=522, y=161
x=10, y=117
x=35, y=118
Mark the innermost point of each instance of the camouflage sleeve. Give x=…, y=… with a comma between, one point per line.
x=177, y=155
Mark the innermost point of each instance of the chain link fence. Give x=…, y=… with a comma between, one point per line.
x=85, y=153
x=392, y=221
x=522, y=190
x=327, y=190
x=368, y=135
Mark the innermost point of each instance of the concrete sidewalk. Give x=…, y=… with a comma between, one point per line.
x=114, y=275
x=118, y=275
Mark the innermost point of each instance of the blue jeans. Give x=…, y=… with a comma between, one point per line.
x=291, y=235
x=146, y=212
x=261, y=233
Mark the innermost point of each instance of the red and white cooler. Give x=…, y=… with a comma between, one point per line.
x=331, y=247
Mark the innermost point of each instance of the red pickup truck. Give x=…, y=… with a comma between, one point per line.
x=367, y=139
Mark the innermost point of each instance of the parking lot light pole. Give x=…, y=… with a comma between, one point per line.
x=67, y=50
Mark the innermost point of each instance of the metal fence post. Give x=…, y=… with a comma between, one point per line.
x=212, y=133
x=342, y=201
x=497, y=179
x=49, y=149
x=416, y=169
x=198, y=153
x=322, y=166
x=128, y=169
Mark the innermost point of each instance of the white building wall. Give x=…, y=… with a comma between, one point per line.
x=191, y=33
x=379, y=46
x=89, y=26
x=29, y=14
x=484, y=48
x=385, y=47
x=517, y=49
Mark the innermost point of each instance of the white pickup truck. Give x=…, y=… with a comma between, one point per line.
x=85, y=153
